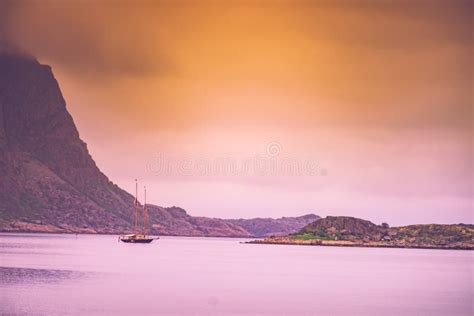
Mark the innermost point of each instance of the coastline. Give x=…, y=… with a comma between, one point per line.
x=346, y=243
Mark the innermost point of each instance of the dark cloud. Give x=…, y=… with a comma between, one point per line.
x=398, y=63
x=5, y=11
x=88, y=38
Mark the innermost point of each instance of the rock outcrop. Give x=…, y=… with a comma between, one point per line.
x=343, y=228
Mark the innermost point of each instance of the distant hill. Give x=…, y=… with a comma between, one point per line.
x=50, y=183
x=271, y=226
x=351, y=231
x=175, y=221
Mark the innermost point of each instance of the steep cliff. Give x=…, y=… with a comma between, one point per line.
x=47, y=174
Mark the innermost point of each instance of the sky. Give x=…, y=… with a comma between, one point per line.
x=239, y=109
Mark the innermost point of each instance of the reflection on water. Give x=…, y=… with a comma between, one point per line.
x=96, y=275
x=36, y=276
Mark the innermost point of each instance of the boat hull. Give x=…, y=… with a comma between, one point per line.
x=137, y=241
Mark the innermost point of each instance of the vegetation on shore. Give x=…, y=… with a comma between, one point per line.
x=350, y=231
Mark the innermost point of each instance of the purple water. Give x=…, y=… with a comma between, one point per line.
x=96, y=275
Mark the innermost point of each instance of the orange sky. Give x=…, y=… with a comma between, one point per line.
x=378, y=93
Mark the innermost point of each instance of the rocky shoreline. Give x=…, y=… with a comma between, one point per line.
x=347, y=243
x=344, y=231
x=171, y=221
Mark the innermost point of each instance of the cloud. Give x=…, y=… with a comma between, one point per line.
x=403, y=64
x=86, y=38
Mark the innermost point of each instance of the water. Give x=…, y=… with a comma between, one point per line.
x=96, y=275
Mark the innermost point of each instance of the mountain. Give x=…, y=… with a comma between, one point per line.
x=49, y=181
x=47, y=174
x=351, y=231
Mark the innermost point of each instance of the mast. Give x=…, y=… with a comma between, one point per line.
x=145, y=215
x=135, y=208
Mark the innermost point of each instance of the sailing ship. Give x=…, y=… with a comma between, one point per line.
x=137, y=237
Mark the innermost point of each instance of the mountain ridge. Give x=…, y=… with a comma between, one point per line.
x=49, y=182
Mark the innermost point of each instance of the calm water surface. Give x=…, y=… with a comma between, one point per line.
x=97, y=275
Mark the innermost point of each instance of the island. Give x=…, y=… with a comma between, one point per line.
x=355, y=232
